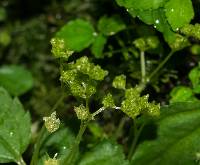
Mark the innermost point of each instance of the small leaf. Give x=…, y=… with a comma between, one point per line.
x=77, y=35
x=58, y=142
x=177, y=139
x=181, y=93
x=16, y=79
x=179, y=13
x=15, y=128
x=194, y=77
x=105, y=153
x=110, y=25
x=98, y=46
x=119, y=82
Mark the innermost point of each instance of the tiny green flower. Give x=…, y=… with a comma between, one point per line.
x=51, y=123
x=108, y=101
x=51, y=161
x=59, y=50
x=134, y=104
x=119, y=82
x=82, y=112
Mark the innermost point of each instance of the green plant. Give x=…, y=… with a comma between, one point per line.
x=112, y=68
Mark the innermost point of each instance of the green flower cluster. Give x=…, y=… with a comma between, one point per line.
x=191, y=30
x=51, y=123
x=81, y=112
x=80, y=77
x=179, y=42
x=119, y=82
x=147, y=43
x=59, y=50
x=108, y=101
x=134, y=104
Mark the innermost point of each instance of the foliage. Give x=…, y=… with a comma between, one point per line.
x=104, y=92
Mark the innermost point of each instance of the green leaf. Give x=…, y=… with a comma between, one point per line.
x=141, y=4
x=181, y=93
x=15, y=128
x=111, y=25
x=58, y=142
x=77, y=35
x=105, y=153
x=179, y=13
x=177, y=141
x=98, y=46
x=16, y=79
x=194, y=77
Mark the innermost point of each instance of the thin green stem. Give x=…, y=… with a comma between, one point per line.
x=75, y=146
x=137, y=133
x=98, y=111
x=87, y=105
x=143, y=68
x=160, y=65
x=120, y=127
x=38, y=144
x=58, y=102
x=39, y=141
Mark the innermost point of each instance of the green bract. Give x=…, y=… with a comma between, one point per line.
x=79, y=84
x=144, y=44
x=77, y=35
x=81, y=77
x=108, y=101
x=51, y=123
x=15, y=129
x=119, y=82
x=110, y=25
x=93, y=71
x=134, y=104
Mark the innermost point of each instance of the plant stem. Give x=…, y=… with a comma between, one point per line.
x=39, y=141
x=161, y=65
x=38, y=144
x=137, y=133
x=57, y=103
x=21, y=162
x=143, y=68
x=98, y=111
x=120, y=127
x=75, y=146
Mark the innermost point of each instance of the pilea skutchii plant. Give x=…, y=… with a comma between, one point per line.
x=109, y=64
x=81, y=77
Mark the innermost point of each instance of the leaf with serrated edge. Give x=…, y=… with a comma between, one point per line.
x=15, y=131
